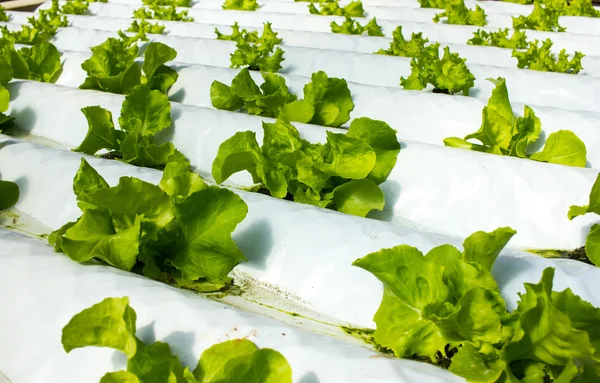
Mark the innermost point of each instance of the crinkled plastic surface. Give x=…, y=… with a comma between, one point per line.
x=449, y=190
x=531, y=87
x=300, y=249
x=457, y=34
x=579, y=25
x=409, y=112
x=52, y=289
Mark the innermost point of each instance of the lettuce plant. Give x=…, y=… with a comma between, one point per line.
x=40, y=62
x=40, y=29
x=144, y=27
x=433, y=3
x=253, y=51
x=500, y=38
x=343, y=174
x=112, y=323
x=503, y=133
x=354, y=9
x=162, y=3
x=542, y=18
x=447, y=305
x=112, y=67
x=3, y=15
x=144, y=114
x=405, y=48
x=353, y=27
x=541, y=58
x=158, y=12
x=456, y=12
x=448, y=74
x=240, y=5
x=592, y=242
x=327, y=101
x=178, y=231
x=75, y=7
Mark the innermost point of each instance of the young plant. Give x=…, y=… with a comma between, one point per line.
x=162, y=3
x=353, y=27
x=446, y=307
x=503, y=133
x=592, y=242
x=178, y=231
x=448, y=74
x=343, y=174
x=112, y=323
x=112, y=67
x=253, y=51
x=144, y=114
x=144, y=27
x=542, y=18
x=40, y=29
x=518, y=40
x=456, y=12
x=541, y=58
x=240, y=5
x=405, y=48
x=354, y=9
x=157, y=12
x=3, y=16
x=580, y=8
x=327, y=101
x=433, y=3
x=40, y=62
x=75, y=7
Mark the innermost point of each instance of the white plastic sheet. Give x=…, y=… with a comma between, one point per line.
x=301, y=250
x=527, y=86
x=449, y=190
x=320, y=40
x=51, y=289
x=408, y=112
x=578, y=25
x=456, y=34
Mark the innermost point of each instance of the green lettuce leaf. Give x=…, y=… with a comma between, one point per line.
x=207, y=219
x=155, y=363
x=353, y=9
x=110, y=323
x=448, y=74
x=240, y=360
x=438, y=299
x=542, y=18
x=240, y=5
x=145, y=110
x=43, y=62
x=318, y=174
x=541, y=58
x=353, y=27
x=457, y=12
x=159, y=76
x=120, y=377
x=503, y=133
x=159, y=12
x=330, y=98
x=593, y=205
x=101, y=131
x=405, y=48
x=145, y=27
x=563, y=147
x=9, y=194
x=518, y=40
